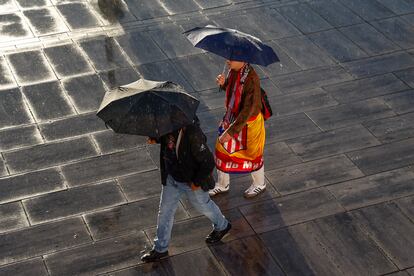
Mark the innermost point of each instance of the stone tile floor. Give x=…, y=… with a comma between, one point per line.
x=76, y=199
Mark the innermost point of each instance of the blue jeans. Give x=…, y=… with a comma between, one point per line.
x=170, y=196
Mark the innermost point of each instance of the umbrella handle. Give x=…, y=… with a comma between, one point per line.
x=224, y=71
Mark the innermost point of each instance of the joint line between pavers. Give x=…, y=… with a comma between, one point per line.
x=44, y=263
x=87, y=228
x=121, y=189
x=5, y=164
x=25, y=213
x=95, y=144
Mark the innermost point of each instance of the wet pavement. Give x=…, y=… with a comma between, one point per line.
x=77, y=199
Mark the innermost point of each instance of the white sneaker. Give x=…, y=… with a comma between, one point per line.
x=254, y=190
x=218, y=190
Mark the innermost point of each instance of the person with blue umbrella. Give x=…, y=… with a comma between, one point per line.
x=241, y=135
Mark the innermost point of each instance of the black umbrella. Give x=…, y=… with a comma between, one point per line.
x=232, y=44
x=148, y=108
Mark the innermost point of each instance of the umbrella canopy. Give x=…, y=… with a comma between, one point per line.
x=232, y=44
x=148, y=108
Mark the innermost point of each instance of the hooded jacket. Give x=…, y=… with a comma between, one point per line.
x=195, y=160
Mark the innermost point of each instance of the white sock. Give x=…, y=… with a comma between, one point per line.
x=258, y=177
x=223, y=179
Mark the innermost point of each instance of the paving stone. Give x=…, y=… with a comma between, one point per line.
x=141, y=186
x=6, y=78
x=118, y=77
x=12, y=109
x=399, y=6
x=369, y=39
x=365, y=88
x=337, y=45
x=264, y=23
x=270, y=88
x=50, y=154
x=304, y=18
x=333, y=142
x=72, y=126
x=146, y=10
x=45, y=21
x=172, y=41
x=78, y=15
x=8, y=5
x=298, y=253
x=107, y=167
x=163, y=70
x=210, y=120
x=374, y=189
x=234, y=197
x=407, y=206
x=283, y=128
x=340, y=236
x=399, y=31
x=104, y=53
x=299, y=102
x=309, y=79
x=140, y=48
x=67, y=60
x=49, y=95
x=31, y=267
x=38, y=70
x=392, y=129
x=335, y=13
x=279, y=155
x=384, y=157
x=313, y=174
x=277, y=213
x=32, y=3
x=401, y=102
x=199, y=70
x=368, y=10
x=380, y=64
x=98, y=257
x=17, y=187
x=14, y=26
x=42, y=239
x=305, y=53
x=394, y=237
x=86, y=92
x=155, y=268
x=3, y=170
x=178, y=7
x=209, y=4
x=113, y=12
x=109, y=141
x=12, y=217
x=285, y=66
x=232, y=257
x=399, y=273
x=187, y=236
x=406, y=76
x=350, y=113
x=134, y=216
x=198, y=262
x=410, y=271
x=73, y=201
x=210, y=99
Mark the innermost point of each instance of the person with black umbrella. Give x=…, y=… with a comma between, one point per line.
x=164, y=111
x=186, y=169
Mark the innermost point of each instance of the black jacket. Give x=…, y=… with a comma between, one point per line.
x=194, y=157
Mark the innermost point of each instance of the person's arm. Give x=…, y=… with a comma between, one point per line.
x=251, y=105
x=201, y=155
